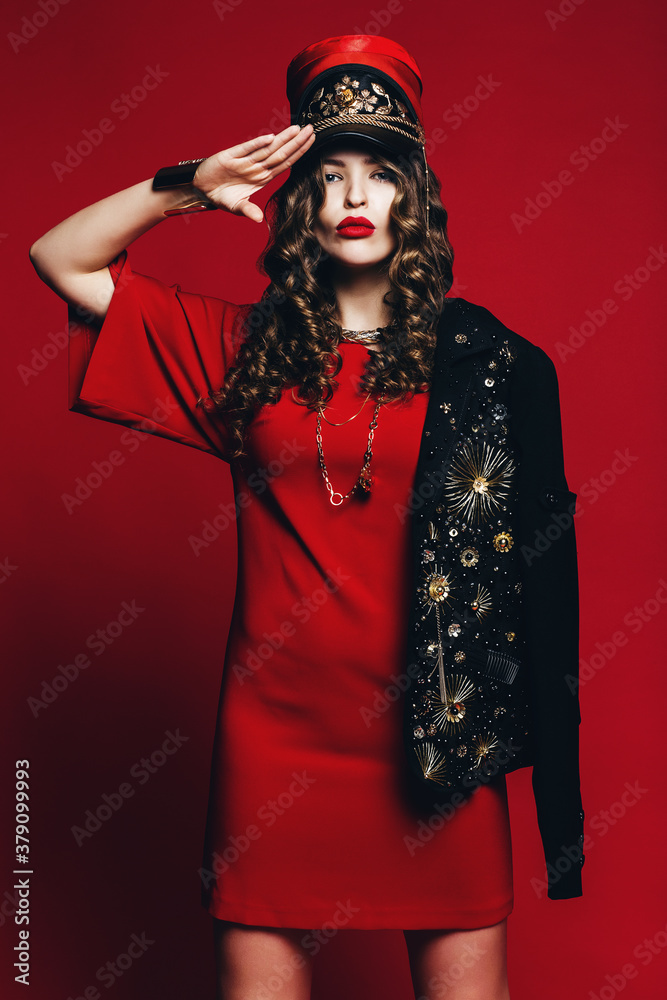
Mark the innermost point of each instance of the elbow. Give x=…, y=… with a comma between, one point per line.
x=39, y=261
x=34, y=255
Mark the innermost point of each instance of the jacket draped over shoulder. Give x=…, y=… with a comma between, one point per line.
x=494, y=622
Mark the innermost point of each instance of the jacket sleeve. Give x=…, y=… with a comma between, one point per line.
x=158, y=352
x=550, y=590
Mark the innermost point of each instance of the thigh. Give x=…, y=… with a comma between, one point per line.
x=256, y=963
x=459, y=964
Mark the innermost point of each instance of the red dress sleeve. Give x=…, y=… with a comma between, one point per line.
x=157, y=352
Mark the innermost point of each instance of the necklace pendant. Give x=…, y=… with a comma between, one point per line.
x=366, y=480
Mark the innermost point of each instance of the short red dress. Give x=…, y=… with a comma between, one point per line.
x=310, y=817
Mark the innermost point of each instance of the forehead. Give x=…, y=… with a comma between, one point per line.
x=339, y=158
x=349, y=148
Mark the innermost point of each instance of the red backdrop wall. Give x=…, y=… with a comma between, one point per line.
x=544, y=127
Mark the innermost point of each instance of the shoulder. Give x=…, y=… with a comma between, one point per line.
x=528, y=354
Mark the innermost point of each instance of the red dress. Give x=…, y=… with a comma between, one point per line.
x=310, y=817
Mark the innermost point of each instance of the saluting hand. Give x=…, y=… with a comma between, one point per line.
x=230, y=177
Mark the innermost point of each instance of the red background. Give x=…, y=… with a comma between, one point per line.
x=66, y=574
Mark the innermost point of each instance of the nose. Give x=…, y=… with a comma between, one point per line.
x=355, y=191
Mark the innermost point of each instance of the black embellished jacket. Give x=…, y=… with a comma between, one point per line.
x=494, y=622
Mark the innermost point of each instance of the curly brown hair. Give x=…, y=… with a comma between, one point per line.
x=290, y=336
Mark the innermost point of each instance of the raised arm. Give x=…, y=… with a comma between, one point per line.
x=73, y=257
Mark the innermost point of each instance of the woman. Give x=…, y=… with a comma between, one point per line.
x=310, y=827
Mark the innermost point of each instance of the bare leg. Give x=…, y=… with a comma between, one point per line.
x=459, y=964
x=257, y=963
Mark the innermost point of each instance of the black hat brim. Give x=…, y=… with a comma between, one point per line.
x=385, y=139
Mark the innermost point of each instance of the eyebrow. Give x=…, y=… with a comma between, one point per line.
x=341, y=163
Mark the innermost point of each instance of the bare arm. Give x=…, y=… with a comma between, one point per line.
x=73, y=257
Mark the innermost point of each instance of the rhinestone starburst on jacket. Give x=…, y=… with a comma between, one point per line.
x=432, y=761
x=436, y=587
x=484, y=748
x=478, y=481
x=450, y=712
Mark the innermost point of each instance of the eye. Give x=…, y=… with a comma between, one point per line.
x=387, y=175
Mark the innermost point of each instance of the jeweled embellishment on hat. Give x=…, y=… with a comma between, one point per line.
x=419, y=732
x=470, y=556
x=484, y=747
x=428, y=555
x=454, y=629
x=459, y=656
x=432, y=762
x=347, y=98
x=481, y=603
x=461, y=338
x=461, y=750
x=478, y=480
x=445, y=407
x=503, y=541
x=449, y=714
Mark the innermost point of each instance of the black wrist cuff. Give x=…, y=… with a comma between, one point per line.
x=179, y=176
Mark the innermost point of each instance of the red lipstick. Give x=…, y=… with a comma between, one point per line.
x=355, y=226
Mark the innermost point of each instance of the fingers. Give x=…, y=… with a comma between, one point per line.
x=261, y=144
x=287, y=146
x=249, y=209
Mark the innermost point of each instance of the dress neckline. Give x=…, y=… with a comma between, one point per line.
x=356, y=343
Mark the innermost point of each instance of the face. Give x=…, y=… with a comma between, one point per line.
x=356, y=188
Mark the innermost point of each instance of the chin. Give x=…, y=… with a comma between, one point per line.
x=363, y=259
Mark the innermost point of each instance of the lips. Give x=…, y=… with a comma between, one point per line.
x=355, y=226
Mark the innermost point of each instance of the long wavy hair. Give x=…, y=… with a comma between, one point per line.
x=289, y=338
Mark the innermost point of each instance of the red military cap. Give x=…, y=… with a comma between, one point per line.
x=357, y=85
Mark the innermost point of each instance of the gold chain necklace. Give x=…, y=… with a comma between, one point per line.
x=365, y=479
x=335, y=423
